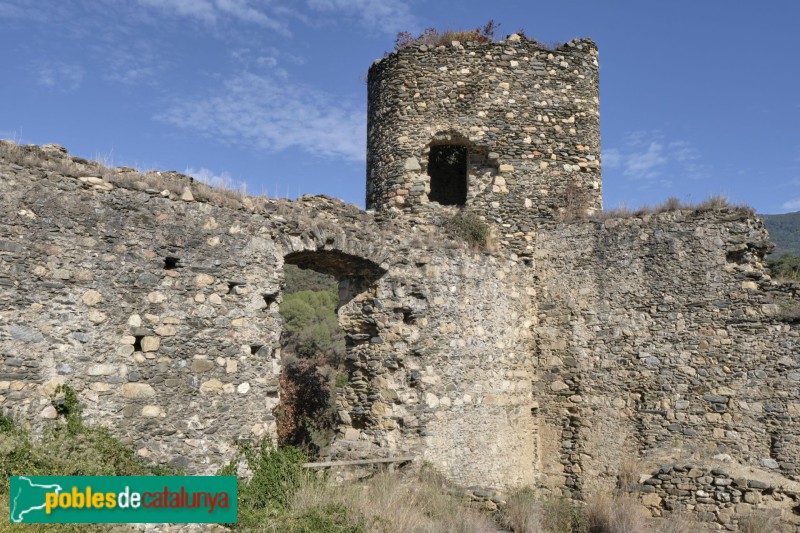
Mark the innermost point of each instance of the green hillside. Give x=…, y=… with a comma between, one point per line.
x=784, y=231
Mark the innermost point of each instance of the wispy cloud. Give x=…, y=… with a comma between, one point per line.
x=265, y=57
x=212, y=11
x=259, y=110
x=223, y=180
x=792, y=204
x=13, y=10
x=389, y=16
x=137, y=63
x=648, y=156
x=60, y=76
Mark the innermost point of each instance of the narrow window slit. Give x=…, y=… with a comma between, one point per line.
x=137, y=343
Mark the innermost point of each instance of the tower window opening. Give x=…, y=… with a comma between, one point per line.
x=447, y=168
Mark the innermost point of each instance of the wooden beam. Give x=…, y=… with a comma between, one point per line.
x=401, y=459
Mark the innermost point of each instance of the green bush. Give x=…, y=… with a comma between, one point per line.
x=785, y=267
x=277, y=473
x=469, y=227
x=312, y=324
x=68, y=448
x=328, y=518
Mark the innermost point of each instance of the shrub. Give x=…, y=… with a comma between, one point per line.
x=387, y=503
x=432, y=37
x=527, y=512
x=786, y=267
x=328, y=518
x=789, y=311
x=760, y=522
x=470, y=228
x=277, y=474
x=621, y=514
x=713, y=203
x=671, y=204
x=576, y=203
x=68, y=448
x=306, y=416
x=314, y=350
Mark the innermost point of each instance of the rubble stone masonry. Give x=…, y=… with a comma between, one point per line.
x=559, y=357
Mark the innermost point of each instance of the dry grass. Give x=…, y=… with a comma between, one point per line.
x=677, y=522
x=713, y=203
x=56, y=159
x=760, y=522
x=620, y=514
x=576, y=203
x=526, y=512
x=628, y=473
x=432, y=37
x=388, y=503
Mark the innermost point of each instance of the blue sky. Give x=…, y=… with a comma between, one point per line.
x=697, y=97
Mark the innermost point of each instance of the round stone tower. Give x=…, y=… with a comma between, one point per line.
x=510, y=129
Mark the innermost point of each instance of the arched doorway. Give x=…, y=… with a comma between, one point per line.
x=319, y=360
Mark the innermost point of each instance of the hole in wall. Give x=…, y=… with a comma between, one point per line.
x=232, y=286
x=313, y=349
x=137, y=343
x=447, y=168
x=254, y=348
x=171, y=263
x=269, y=299
x=408, y=315
x=314, y=346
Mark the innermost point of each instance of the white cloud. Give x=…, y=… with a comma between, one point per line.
x=223, y=180
x=646, y=156
x=792, y=204
x=200, y=9
x=645, y=163
x=136, y=63
x=211, y=11
x=612, y=158
x=24, y=10
x=274, y=115
x=61, y=76
x=388, y=16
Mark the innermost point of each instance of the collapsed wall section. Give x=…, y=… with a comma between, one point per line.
x=659, y=339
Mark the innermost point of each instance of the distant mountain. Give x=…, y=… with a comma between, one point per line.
x=784, y=231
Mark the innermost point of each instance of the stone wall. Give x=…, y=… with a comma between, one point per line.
x=660, y=337
x=648, y=340
x=528, y=115
x=718, y=496
x=162, y=313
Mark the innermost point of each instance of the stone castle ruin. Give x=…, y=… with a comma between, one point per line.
x=573, y=346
